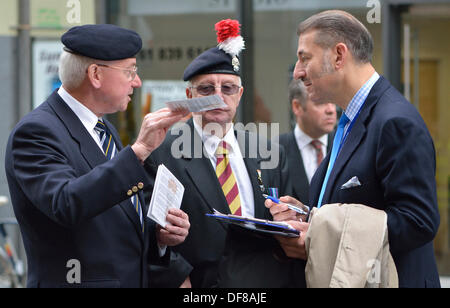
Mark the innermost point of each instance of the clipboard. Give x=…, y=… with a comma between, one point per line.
x=257, y=225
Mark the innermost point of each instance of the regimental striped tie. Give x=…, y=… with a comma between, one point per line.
x=106, y=140
x=227, y=179
x=110, y=150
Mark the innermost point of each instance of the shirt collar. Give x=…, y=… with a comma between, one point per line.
x=211, y=142
x=304, y=140
x=360, y=97
x=86, y=116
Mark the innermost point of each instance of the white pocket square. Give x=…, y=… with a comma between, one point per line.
x=353, y=182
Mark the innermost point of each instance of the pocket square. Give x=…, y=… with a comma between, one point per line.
x=353, y=182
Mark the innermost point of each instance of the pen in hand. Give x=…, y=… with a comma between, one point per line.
x=292, y=207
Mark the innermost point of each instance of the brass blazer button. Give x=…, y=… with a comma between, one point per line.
x=129, y=193
x=135, y=189
x=141, y=185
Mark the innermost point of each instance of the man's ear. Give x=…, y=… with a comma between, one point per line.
x=297, y=108
x=341, y=53
x=95, y=76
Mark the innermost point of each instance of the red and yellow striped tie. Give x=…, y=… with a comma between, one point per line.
x=227, y=179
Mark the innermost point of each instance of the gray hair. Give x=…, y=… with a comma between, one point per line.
x=297, y=91
x=336, y=26
x=73, y=68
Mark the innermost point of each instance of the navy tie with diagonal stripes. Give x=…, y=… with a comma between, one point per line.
x=106, y=140
x=110, y=150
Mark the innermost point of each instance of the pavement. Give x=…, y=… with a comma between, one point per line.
x=445, y=282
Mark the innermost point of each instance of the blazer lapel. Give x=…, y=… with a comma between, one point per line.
x=88, y=148
x=353, y=140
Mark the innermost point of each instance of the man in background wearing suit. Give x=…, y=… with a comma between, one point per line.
x=383, y=155
x=76, y=191
x=229, y=181
x=311, y=139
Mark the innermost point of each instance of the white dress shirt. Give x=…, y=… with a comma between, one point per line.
x=238, y=167
x=308, y=152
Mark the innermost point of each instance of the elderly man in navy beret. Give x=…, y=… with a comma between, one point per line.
x=76, y=191
x=227, y=177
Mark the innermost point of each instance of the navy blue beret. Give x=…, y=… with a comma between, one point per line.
x=212, y=61
x=103, y=42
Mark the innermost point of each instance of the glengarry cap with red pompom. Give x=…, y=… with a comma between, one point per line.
x=222, y=59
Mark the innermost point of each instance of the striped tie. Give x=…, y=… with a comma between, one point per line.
x=227, y=179
x=110, y=150
x=108, y=145
x=317, y=145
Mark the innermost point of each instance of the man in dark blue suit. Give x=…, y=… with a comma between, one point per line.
x=76, y=192
x=384, y=156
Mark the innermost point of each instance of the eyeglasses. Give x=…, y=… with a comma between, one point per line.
x=209, y=89
x=131, y=73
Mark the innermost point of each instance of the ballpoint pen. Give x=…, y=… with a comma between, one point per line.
x=304, y=211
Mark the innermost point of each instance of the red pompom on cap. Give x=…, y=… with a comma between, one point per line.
x=226, y=29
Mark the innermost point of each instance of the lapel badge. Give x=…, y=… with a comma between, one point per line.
x=261, y=185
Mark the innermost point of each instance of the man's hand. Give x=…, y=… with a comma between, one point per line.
x=153, y=131
x=281, y=212
x=295, y=247
x=176, y=230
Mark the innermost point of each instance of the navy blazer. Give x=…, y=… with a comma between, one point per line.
x=71, y=203
x=391, y=152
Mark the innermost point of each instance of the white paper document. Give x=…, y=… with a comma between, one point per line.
x=167, y=193
x=199, y=104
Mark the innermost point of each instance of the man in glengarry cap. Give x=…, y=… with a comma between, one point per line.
x=226, y=177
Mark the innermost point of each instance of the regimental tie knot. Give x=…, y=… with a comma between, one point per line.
x=106, y=140
x=222, y=150
x=100, y=128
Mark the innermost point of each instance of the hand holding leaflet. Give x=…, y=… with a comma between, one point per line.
x=167, y=193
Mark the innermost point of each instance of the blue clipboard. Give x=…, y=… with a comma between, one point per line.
x=257, y=225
